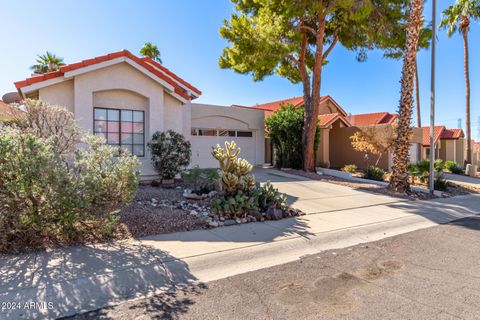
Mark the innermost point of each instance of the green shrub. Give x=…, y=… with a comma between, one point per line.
x=242, y=195
x=421, y=170
x=440, y=183
x=52, y=198
x=170, y=153
x=375, y=173
x=350, y=168
x=202, y=180
x=285, y=129
x=453, y=167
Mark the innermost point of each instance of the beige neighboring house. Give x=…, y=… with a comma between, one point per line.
x=449, y=144
x=332, y=117
x=476, y=153
x=126, y=99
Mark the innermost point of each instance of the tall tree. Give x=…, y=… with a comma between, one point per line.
x=294, y=38
x=47, y=62
x=399, y=178
x=457, y=18
x=150, y=50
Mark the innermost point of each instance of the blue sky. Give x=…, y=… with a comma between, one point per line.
x=186, y=31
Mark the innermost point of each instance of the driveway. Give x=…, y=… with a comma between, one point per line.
x=475, y=182
x=313, y=196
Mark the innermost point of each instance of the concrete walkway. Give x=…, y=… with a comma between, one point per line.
x=86, y=278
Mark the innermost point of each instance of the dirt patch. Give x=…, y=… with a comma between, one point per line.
x=379, y=270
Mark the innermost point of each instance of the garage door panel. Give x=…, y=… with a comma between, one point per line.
x=202, y=149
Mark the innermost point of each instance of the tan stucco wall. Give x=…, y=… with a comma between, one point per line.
x=323, y=151
x=60, y=94
x=343, y=153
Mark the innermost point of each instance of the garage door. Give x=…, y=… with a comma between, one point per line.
x=203, y=139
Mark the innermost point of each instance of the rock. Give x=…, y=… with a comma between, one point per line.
x=213, y=224
x=192, y=196
x=222, y=219
x=229, y=222
x=275, y=214
x=253, y=219
x=212, y=194
x=193, y=213
x=244, y=220
x=238, y=220
x=262, y=219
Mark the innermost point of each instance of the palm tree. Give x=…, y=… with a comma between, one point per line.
x=150, y=50
x=399, y=178
x=47, y=62
x=457, y=18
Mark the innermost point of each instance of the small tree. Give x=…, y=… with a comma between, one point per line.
x=285, y=129
x=49, y=121
x=170, y=153
x=376, y=140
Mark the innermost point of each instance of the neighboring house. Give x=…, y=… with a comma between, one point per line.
x=476, y=153
x=449, y=144
x=371, y=119
x=126, y=99
x=332, y=117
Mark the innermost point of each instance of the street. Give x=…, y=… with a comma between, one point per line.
x=425, y=274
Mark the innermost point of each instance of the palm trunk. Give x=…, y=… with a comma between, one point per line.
x=399, y=181
x=467, y=95
x=417, y=95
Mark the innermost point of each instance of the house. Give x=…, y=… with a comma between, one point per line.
x=332, y=117
x=371, y=119
x=126, y=99
x=476, y=153
x=449, y=144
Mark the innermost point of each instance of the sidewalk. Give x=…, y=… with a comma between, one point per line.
x=86, y=278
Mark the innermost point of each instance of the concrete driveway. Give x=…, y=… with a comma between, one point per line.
x=313, y=196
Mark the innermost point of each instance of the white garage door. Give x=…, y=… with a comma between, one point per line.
x=203, y=139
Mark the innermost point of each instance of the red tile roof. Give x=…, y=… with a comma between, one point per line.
x=328, y=119
x=166, y=75
x=436, y=135
x=452, y=134
x=295, y=101
x=369, y=119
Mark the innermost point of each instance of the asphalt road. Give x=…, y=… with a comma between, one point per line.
x=427, y=274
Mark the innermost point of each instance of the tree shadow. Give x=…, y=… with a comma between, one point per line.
x=73, y=280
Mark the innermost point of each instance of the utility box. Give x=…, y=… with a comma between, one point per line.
x=471, y=170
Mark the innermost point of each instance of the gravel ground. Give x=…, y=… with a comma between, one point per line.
x=163, y=215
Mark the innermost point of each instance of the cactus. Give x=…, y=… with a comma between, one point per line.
x=235, y=175
x=241, y=193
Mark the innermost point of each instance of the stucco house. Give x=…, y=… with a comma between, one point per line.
x=449, y=144
x=332, y=117
x=126, y=99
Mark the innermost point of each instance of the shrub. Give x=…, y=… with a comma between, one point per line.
x=52, y=198
x=242, y=195
x=440, y=183
x=421, y=170
x=285, y=129
x=170, y=153
x=202, y=180
x=453, y=167
x=48, y=121
x=350, y=168
x=375, y=173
